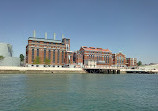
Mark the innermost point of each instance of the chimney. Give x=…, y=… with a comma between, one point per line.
x=54, y=36
x=34, y=34
x=45, y=35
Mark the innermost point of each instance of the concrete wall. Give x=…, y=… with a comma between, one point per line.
x=10, y=61
x=6, y=52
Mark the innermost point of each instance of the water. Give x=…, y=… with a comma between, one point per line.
x=78, y=92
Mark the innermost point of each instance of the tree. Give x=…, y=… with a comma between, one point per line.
x=37, y=60
x=1, y=57
x=47, y=61
x=21, y=57
x=139, y=63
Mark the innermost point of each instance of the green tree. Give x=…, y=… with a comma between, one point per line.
x=1, y=57
x=139, y=63
x=37, y=60
x=21, y=57
x=47, y=61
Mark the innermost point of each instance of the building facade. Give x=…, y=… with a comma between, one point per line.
x=131, y=62
x=78, y=59
x=96, y=56
x=43, y=52
x=119, y=60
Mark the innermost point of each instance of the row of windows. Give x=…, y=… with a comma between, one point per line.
x=47, y=42
x=106, y=58
x=120, y=60
x=49, y=55
x=97, y=52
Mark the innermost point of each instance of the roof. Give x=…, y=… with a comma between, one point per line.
x=95, y=49
x=45, y=40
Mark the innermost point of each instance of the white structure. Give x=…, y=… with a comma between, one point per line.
x=6, y=52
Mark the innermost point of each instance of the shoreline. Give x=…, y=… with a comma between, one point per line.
x=52, y=70
x=35, y=70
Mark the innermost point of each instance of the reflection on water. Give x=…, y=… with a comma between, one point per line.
x=78, y=92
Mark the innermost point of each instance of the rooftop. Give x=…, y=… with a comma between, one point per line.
x=45, y=40
x=95, y=49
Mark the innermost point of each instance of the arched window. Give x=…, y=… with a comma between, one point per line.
x=120, y=60
x=106, y=59
x=117, y=59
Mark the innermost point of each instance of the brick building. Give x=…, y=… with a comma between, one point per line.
x=131, y=62
x=96, y=56
x=119, y=60
x=48, y=52
x=78, y=58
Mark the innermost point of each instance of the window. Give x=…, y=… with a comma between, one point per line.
x=54, y=56
x=106, y=59
x=44, y=54
x=37, y=52
x=120, y=60
x=32, y=55
x=49, y=54
x=58, y=56
x=117, y=59
x=62, y=56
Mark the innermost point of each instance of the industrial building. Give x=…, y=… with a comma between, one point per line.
x=44, y=52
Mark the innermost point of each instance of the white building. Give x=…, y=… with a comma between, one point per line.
x=6, y=53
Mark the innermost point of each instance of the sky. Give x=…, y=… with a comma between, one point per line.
x=127, y=26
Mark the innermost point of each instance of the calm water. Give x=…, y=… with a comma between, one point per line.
x=78, y=92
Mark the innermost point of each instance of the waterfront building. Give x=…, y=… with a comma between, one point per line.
x=119, y=60
x=131, y=62
x=96, y=56
x=43, y=52
x=78, y=58
x=6, y=54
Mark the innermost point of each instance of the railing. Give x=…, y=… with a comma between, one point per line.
x=103, y=67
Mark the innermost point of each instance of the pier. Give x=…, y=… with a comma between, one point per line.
x=117, y=70
x=102, y=70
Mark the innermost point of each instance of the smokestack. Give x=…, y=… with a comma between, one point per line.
x=34, y=34
x=54, y=36
x=45, y=35
x=62, y=36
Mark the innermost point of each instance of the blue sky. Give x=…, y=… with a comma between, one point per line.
x=129, y=26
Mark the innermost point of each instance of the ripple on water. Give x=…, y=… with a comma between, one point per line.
x=78, y=92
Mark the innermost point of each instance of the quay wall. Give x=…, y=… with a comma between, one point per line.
x=37, y=70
